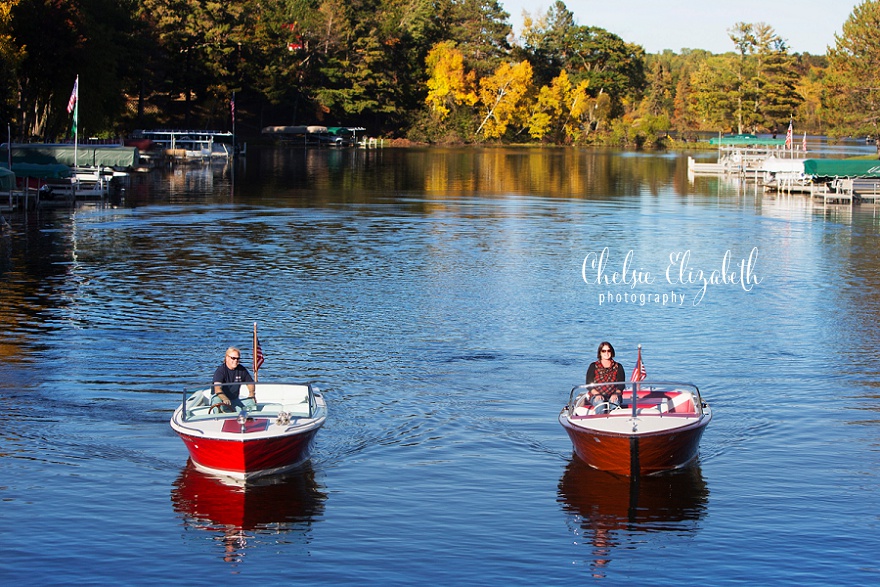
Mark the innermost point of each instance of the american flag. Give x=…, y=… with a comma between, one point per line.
x=804, y=143
x=258, y=360
x=788, y=137
x=232, y=107
x=639, y=372
x=74, y=96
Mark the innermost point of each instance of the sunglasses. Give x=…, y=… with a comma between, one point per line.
x=606, y=350
x=233, y=358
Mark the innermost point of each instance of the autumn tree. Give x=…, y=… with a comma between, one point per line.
x=449, y=85
x=812, y=71
x=683, y=117
x=560, y=110
x=503, y=97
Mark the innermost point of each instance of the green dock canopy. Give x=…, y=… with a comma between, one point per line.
x=41, y=170
x=746, y=141
x=118, y=157
x=842, y=167
x=7, y=180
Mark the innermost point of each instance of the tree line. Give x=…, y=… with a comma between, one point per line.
x=439, y=71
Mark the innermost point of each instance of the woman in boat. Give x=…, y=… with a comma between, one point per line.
x=605, y=370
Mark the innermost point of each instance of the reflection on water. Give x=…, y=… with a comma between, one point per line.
x=409, y=282
x=237, y=512
x=600, y=506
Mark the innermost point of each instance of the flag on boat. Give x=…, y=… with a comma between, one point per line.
x=788, y=137
x=232, y=107
x=804, y=143
x=74, y=96
x=639, y=372
x=259, y=357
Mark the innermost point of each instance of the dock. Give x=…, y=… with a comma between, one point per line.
x=185, y=145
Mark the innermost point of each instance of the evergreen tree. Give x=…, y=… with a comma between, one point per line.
x=854, y=74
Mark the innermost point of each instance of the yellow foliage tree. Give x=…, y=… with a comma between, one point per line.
x=504, y=95
x=548, y=107
x=560, y=105
x=449, y=85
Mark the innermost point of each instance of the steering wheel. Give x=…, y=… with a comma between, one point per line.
x=220, y=408
x=608, y=408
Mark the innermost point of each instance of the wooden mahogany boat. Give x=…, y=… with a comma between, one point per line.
x=271, y=436
x=658, y=432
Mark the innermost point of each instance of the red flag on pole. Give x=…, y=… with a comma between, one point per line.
x=788, y=137
x=804, y=143
x=639, y=372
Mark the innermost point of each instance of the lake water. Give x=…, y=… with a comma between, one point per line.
x=446, y=301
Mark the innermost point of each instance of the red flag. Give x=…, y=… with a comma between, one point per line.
x=639, y=372
x=788, y=137
x=232, y=107
x=804, y=143
x=74, y=96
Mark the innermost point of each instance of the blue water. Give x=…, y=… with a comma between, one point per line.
x=440, y=300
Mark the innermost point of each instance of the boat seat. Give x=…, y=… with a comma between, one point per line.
x=267, y=409
x=300, y=410
x=682, y=404
x=200, y=412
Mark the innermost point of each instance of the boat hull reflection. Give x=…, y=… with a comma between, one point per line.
x=602, y=505
x=621, y=502
x=281, y=502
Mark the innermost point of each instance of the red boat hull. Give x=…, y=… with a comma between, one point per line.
x=250, y=457
x=636, y=454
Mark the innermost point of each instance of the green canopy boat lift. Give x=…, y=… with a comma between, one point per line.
x=852, y=168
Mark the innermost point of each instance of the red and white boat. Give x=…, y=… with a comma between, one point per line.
x=659, y=431
x=270, y=436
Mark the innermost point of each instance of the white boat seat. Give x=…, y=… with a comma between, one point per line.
x=300, y=410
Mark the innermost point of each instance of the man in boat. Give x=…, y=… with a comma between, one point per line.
x=605, y=370
x=232, y=371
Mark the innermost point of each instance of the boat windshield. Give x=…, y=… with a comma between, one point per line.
x=645, y=392
x=290, y=400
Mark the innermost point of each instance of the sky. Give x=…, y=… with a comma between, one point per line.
x=809, y=26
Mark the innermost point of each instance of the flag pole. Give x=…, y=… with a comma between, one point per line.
x=635, y=389
x=75, y=99
x=256, y=367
